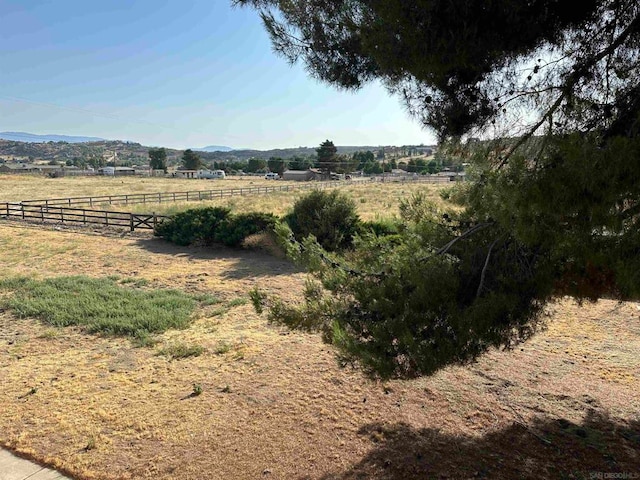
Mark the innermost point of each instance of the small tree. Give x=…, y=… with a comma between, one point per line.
x=278, y=165
x=191, y=160
x=300, y=163
x=327, y=157
x=158, y=159
x=256, y=164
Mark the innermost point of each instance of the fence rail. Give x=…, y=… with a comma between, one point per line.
x=44, y=213
x=199, y=195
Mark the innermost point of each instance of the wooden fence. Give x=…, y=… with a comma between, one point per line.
x=199, y=195
x=44, y=213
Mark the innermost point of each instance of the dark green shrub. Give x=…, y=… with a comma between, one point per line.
x=381, y=228
x=236, y=228
x=191, y=226
x=214, y=225
x=329, y=216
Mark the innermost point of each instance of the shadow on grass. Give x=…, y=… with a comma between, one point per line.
x=247, y=262
x=590, y=450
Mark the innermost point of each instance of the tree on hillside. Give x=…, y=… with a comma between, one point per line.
x=552, y=90
x=158, y=159
x=191, y=160
x=327, y=160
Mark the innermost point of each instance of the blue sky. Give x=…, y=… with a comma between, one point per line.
x=177, y=74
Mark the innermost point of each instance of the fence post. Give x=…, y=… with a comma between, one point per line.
x=22, y=208
x=41, y=214
x=106, y=218
x=131, y=222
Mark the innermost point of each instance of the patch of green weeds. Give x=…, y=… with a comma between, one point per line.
x=98, y=304
x=176, y=351
x=206, y=299
x=222, y=348
x=236, y=302
x=50, y=333
x=135, y=282
x=219, y=311
x=143, y=339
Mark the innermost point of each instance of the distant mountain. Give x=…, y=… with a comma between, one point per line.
x=213, y=148
x=32, y=138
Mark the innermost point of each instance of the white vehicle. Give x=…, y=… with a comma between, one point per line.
x=211, y=174
x=272, y=176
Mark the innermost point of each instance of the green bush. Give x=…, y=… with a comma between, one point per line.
x=236, y=228
x=214, y=225
x=381, y=228
x=193, y=226
x=329, y=216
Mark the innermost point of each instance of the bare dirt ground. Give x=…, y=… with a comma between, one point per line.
x=274, y=403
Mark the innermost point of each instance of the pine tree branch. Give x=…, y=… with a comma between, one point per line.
x=580, y=71
x=466, y=234
x=484, y=269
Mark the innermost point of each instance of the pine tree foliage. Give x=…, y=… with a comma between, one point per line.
x=543, y=98
x=328, y=159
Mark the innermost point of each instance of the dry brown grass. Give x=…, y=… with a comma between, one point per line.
x=276, y=405
x=14, y=188
x=374, y=200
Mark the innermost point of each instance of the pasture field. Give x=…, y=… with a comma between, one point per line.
x=373, y=199
x=232, y=397
x=14, y=188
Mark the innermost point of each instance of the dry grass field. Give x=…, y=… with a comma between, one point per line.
x=374, y=200
x=274, y=404
x=14, y=188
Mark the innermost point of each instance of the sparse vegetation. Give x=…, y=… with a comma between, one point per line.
x=222, y=348
x=197, y=390
x=237, y=302
x=175, y=351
